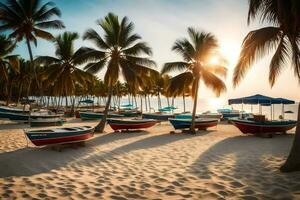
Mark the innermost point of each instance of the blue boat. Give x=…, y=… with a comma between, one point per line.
x=94, y=115
x=25, y=116
x=12, y=110
x=229, y=113
x=14, y=116
x=201, y=124
x=158, y=116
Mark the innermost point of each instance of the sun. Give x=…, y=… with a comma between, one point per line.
x=214, y=60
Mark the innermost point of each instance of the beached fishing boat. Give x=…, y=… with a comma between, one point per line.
x=94, y=116
x=210, y=115
x=60, y=135
x=24, y=117
x=130, y=113
x=14, y=116
x=201, y=124
x=130, y=124
x=257, y=127
x=39, y=122
x=158, y=116
x=12, y=110
x=229, y=113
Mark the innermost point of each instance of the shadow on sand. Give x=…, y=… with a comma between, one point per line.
x=33, y=161
x=248, y=164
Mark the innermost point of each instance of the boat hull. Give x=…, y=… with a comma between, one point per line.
x=14, y=116
x=12, y=110
x=248, y=126
x=130, y=124
x=95, y=116
x=36, y=123
x=159, y=117
x=51, y=138
x=199, y=124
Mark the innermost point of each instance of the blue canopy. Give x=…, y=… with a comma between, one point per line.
x=255, y=99
x=285, y=101
x=259, y=99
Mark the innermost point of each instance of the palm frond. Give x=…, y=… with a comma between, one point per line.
x=95, y=67
x=213, y=82
x=256, y=44
x=138, y=48
x=174, y=66
x=178, y=84
x=54, y=24
x=278, y=61
x=46, y=60
x=93, y=36
x=43, y=34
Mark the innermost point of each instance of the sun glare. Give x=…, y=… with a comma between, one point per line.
x=216, y=103
x=214, y=60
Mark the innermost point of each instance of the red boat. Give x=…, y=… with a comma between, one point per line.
x=127, y=124
x=60, y=135
x=256, y=127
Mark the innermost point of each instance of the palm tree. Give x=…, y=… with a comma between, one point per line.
x=9, y=64
x=26, y=20
x=120, y=51
x=61, y=72
x=283, y=36
x=196, y=53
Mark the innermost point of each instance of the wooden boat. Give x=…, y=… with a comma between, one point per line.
x=229, y=113
x=14, y=116
x=129, y=113
x=12, y=110
x=210, y=115
x=129, y=124
x=94, y=116
x=60, y=135
x=257, y=127
x=19, y=116
x=44, y=115
x=39, y=122
x=201, y=124
x=158, y=116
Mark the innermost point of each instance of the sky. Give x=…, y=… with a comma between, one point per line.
x=161, y=22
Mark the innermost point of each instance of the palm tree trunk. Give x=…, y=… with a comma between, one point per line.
x=149, y=102
x=146, y=105
x=293, y=161
x=100, y=127
x=183, y=96
x=192, y=129
x=19, y=93
x=31, y=62
x=141, y=98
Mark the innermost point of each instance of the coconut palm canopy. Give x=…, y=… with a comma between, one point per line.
x=196, y=53
x=61, y=71
x=119, y=50
x=283, y=38
x=28, y=19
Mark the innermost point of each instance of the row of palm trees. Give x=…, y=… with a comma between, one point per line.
x=122, y=53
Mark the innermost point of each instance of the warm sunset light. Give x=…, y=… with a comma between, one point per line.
x=149, y=99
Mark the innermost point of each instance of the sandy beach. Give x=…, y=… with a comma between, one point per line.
x=217, y=164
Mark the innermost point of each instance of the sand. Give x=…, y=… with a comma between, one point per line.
x=217, y=164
